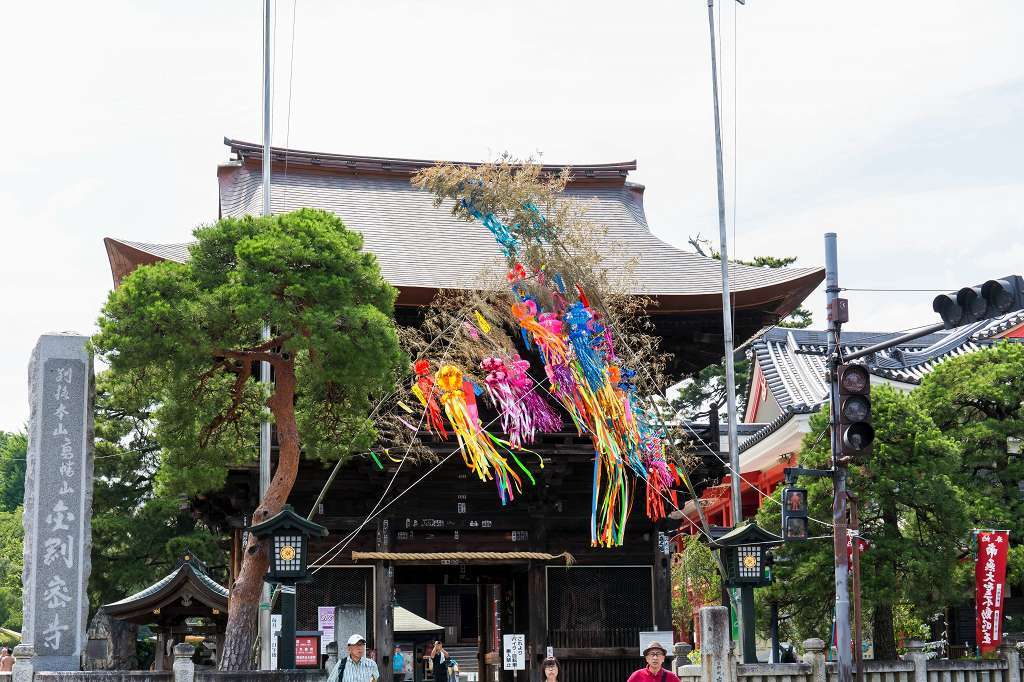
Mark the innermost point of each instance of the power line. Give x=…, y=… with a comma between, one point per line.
x=411, y=486
x=881, y=289
x=408, y=449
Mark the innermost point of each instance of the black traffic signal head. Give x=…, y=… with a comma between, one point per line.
x=855, y=431
x=794, y=514
x=984, y=301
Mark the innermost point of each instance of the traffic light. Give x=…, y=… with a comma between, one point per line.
x=855, y=431
x=972, y=304
x=794, y=514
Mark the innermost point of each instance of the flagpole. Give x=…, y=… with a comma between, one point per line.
x=730, y=361
x=264, y=617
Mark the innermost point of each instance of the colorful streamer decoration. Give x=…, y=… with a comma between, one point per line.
x=585, y=376
x=523, y=412
x=424, y=390
x=478, y=447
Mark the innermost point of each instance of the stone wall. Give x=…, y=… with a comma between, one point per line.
x=265, y=675
x=184, y=671
x=104, y=676
x=719, y=663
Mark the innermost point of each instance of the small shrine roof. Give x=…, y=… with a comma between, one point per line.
x=188, y=581
x=407, y=622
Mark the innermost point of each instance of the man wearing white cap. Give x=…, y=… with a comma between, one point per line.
x=355, y=667
x=655, y=655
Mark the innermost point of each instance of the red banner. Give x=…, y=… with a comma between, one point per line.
x=862, y=546
x=990, y=583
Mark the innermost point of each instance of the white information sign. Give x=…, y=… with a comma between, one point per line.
x=325, y=616
x=662, y=637
x=515, y=652
x=275, y=630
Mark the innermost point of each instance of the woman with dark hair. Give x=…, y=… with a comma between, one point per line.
x=550, y=668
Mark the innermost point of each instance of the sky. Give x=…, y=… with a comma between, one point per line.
x=894, y=124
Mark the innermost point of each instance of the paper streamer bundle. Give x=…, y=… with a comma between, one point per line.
x=586, y=377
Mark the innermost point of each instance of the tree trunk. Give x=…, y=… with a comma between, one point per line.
x=244, y=602
x=883, y=633
x=882, y=626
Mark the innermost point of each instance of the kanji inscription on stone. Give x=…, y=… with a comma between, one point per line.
x=58, y=501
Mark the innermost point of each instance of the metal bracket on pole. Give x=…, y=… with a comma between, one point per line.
x=791, y=473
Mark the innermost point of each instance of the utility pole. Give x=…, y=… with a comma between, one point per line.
x=730, y=361
x=264, y=618
x=836, y=316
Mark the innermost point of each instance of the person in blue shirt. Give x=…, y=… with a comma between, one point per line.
x=399, y=664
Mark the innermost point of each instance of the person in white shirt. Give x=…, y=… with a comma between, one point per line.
x=355, y=667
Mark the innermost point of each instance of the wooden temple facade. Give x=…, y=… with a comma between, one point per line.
x=441, y=546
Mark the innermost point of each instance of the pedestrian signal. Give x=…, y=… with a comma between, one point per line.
x=794, y=514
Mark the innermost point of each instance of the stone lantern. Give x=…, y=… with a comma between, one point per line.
x=287, y=534
x=744, y=551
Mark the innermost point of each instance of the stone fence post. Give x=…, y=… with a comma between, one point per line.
x=716, y=659
x=23, y=666
x=680, y=653
x=916, y=655
x=184, y=668
x=1008, y=651
x=814, y=656
x=332, y=656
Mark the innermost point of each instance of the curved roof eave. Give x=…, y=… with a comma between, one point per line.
x=780, y=297
x=168, y=589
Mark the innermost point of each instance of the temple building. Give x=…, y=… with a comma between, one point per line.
x=442, y=547
x=788, y=385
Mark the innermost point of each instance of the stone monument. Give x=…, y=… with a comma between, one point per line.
x=58, y=502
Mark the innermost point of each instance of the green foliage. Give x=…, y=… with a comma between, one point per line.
x=976, y=399
x=11, y=534
x=137, y=535
x=703, y=393
x=13, y=451
x=706, y=391
x=911, y=510
x=183, y=342
x=695, y=582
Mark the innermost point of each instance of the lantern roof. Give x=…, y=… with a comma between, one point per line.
x=747, y=534
x=287, y=519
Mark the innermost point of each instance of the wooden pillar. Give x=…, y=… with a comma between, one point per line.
x=432, y=603
x=161, y=646
x=537, y=625
x=508, y=624
x=662, y=562
x=484, y=635
x=384, y=600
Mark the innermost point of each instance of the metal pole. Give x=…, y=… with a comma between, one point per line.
x=895, y=341
x=774, y=626
x=839, y=503
x=747, y=624
x=858, y=639
x=264, y=619
x=286, y=645
x=266, y=107
x=730, y=368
